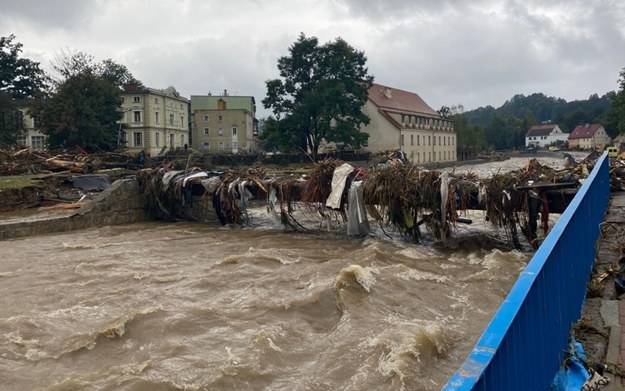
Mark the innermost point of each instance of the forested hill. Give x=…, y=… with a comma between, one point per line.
x=538, y=108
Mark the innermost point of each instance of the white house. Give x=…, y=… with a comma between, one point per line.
x=545, y=135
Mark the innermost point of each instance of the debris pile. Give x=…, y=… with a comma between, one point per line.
x=28, y=161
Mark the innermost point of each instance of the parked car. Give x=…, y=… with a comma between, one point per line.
x=553, y=148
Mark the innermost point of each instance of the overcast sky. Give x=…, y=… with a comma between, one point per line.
x=473, y=52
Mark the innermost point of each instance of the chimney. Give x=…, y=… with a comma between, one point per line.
x=388, y=93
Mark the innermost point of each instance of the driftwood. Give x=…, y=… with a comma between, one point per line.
x=75, y=167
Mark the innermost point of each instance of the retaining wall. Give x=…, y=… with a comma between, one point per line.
x=121, y=203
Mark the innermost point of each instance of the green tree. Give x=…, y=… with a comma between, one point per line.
x=618, y=104
x=320, y=95
x=85, y=106
x=20, y=79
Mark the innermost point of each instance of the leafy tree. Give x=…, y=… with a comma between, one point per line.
x=84, y=107
x=20, y=79
x=320, y=95
x=618, y=104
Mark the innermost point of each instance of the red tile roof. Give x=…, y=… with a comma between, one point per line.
x=584, y=131
x=540, y=130
x=388, y=98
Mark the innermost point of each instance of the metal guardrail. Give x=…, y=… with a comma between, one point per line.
x=524, y=345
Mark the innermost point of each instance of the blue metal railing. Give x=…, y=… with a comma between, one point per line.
x=524, y=345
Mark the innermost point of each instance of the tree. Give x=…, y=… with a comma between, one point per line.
x=618, y=104
x=85, y=106
x=20, y=79
x=320, y=96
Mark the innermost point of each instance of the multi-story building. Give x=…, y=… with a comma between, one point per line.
x=29, y=136
x=589, y=136
x=545, y=135
x=402, y=120
x=224, y=124
x=154, y=121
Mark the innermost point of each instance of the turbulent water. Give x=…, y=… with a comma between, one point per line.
x=190, y=306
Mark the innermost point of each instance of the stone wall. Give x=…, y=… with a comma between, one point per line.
x=121, y=203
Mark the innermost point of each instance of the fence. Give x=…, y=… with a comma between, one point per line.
x=523, y=346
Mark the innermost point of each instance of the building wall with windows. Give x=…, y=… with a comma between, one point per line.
x=224, y=124
x=154, y=121
x=31, y=136
x=402, y=120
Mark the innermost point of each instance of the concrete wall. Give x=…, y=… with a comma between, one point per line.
x=121, y=203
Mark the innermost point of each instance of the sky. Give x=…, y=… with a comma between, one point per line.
x=450, y=52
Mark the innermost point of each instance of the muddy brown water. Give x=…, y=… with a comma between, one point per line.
x=191, y=306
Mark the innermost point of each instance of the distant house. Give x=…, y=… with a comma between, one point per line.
x=619, y=142
x=154, y=120
x=589, y=136
x=30, y=136
x=224, y=124
x=402, y=120
x=541, y=136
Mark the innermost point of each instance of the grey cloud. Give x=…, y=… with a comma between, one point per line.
x=47, y=13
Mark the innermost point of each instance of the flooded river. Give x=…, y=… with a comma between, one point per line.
x=191, y=306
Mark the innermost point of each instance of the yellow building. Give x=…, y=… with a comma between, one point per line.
x=224, y=124
x=402, y=120
x=154, y=121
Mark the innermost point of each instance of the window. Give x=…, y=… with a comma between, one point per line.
x=136, y=99
x=402, y=139
x=235, y=145
x=206, y=145
x=156, y=100
x=234, y=131
x=221, y=131
x=21, y=139
x=182, y=139
x=221, y=146
x=181, y=106
x=157, y=139
x=156, y=119
x=429, y=140
x=137, y=116
x=206, y=118
x=220, y=118
x=206, y=131
x=137, y=139
x=418, y=140
x=171, y=119
x=412, y=139
x=37, y=142
x=172, y=140
x=181, y=121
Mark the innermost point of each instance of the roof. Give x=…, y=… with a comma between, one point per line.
x=540, y=130
x=388, y=98
x=134, y=88
x=584, y=131
x=209, y=102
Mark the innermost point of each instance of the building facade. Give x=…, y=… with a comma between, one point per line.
x=589, y=136
x=402, y=120
x=224, y=124
x=31, y=136
x=545, y=135
x=154, y=121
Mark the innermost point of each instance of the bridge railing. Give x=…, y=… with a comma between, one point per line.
x=523, y=346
